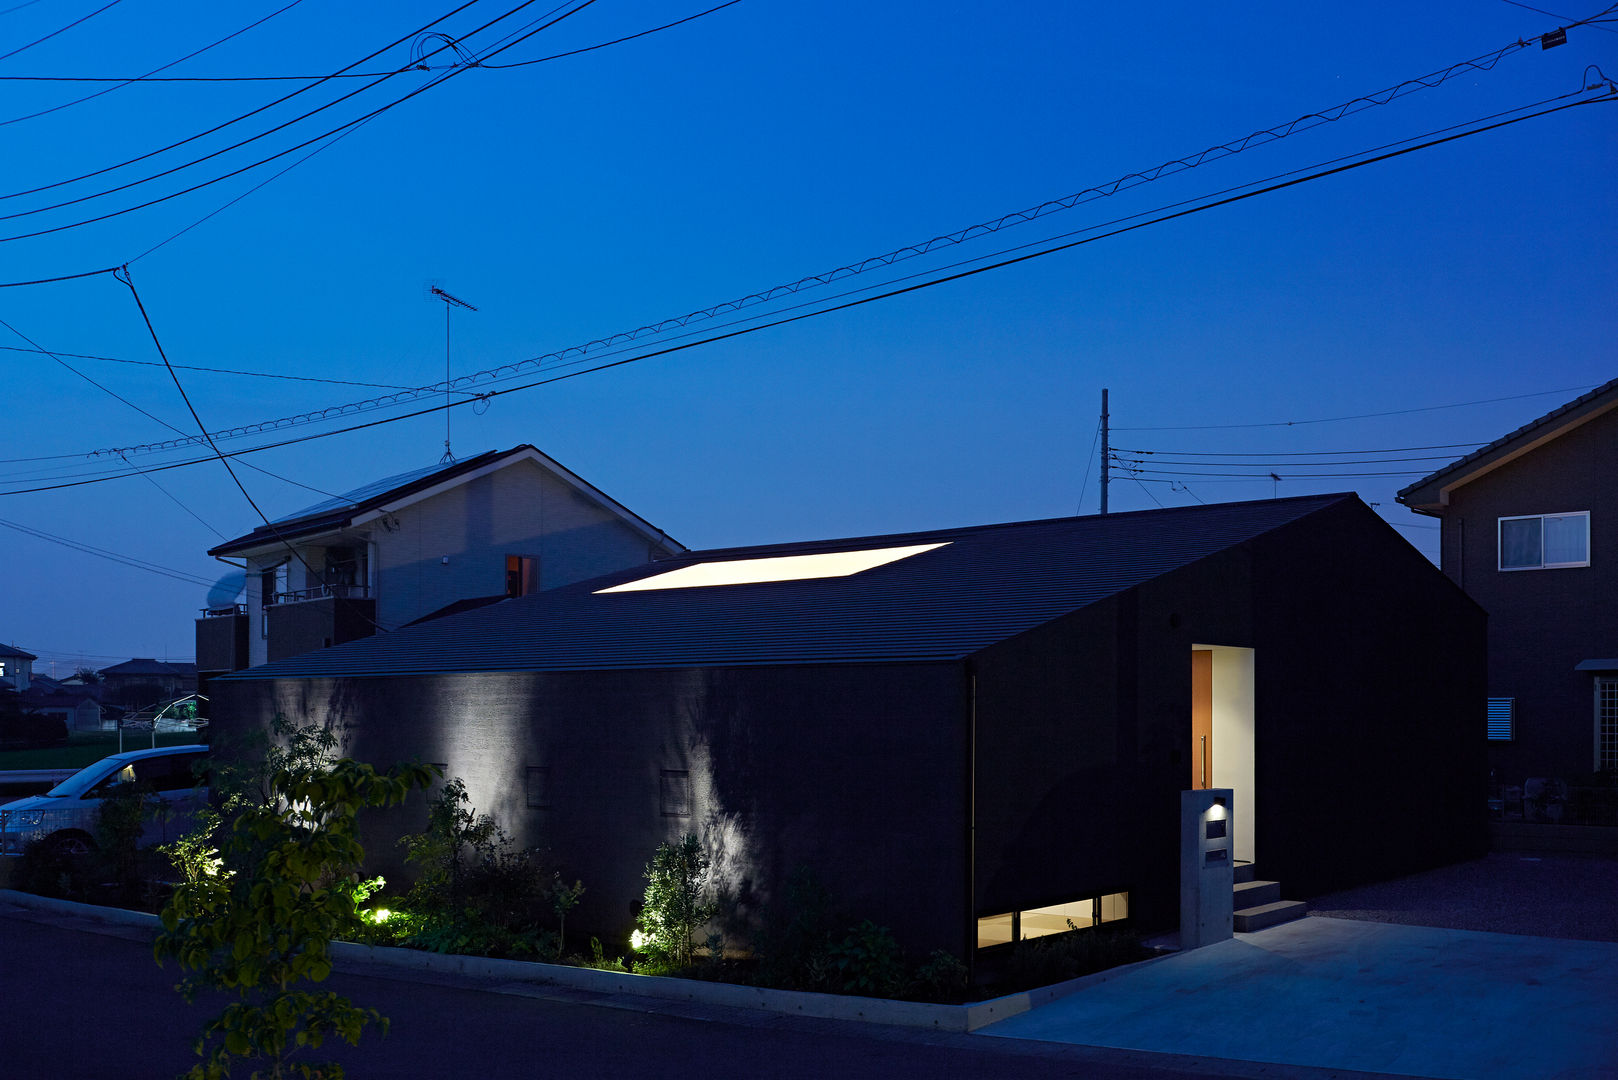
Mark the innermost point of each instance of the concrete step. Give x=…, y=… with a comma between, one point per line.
x=1268, y=915
x=1247, y=894
x=1243, y=871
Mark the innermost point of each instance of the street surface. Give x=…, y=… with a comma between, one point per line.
x=84, y=1000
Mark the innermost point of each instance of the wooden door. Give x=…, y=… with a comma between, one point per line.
x=1201, y=720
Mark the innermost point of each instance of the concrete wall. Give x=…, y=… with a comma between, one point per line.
x=855, y=772
x=1543, y=622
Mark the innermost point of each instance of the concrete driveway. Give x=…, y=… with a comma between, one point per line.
x=1374, y=997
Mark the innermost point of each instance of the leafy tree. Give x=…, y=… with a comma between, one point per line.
x=87, y=675
x=675, y=905
x=256, y=920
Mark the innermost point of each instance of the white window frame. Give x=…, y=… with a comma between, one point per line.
x=1500, y=548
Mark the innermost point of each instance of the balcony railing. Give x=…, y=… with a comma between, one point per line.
x=323, y=592
x=223, y=612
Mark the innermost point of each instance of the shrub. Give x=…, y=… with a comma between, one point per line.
x=475, y=893
x=866, y=961
x=675, y=905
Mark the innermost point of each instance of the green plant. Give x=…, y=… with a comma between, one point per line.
x=474, y=892
x=798, y=926
x=258, y=923
x=867, y=961
x=942, y=978
x=599, y=960
x=1044, y=960
x=675, y=904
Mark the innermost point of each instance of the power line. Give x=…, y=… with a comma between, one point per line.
x=59, y=30
x=236, y=146
x=582, y=351
x=355, y=74
x=1364, y=416
x=112, y=556
x=213, y=370
x=785, y=320
x=1591, y=21
x=236, y=120
x=125, y=82
x=1299, y=453
x=579, y=6
x=1266, y=464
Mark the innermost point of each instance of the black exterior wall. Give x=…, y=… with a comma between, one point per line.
x=1368, y=682
x=857, y=772
x=1370, y=685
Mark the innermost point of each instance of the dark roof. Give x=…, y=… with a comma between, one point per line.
x=471, y=603
x=145, y=665
x=339, y=512
x=1428, y=490
x=986, y=584
x=7, y=650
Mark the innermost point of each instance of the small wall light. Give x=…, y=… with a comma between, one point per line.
x=445, y=560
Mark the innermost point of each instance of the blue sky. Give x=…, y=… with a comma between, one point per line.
x=762, y=143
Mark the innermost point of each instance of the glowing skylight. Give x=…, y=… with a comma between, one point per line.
x=777, y=568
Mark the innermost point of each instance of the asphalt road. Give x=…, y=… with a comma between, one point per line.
x=83, y=1000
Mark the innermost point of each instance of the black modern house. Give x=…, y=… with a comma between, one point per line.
x=964, y=733
x=1530, y=531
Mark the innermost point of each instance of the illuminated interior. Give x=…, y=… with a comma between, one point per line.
x=776, y=568
x=1038, y=922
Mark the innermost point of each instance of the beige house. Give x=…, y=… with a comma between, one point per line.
x=502, y=524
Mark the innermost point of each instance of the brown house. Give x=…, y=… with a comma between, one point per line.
x=1530, y=531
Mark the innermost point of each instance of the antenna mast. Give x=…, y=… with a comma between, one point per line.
x=436, y=293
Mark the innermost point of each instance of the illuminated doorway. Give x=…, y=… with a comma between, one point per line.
x=1222, y=732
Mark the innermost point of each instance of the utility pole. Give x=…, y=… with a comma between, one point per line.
x=1106, y=451
x=435, y=293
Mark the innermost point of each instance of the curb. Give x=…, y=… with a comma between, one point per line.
x=649, y=988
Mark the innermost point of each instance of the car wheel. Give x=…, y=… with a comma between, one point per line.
x=71, y=843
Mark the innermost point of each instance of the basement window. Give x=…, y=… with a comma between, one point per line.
x=1054, y=919
x=775, y=568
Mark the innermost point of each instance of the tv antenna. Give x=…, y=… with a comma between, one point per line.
x=436, y=293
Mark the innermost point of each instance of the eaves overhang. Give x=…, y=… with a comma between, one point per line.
x=1431, y=494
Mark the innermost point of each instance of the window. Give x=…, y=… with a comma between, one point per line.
x=537, y=787
x=522, y=575
x=675, y=787
x=1502, y=719
x=1607, y=723
x=1545, y=541
x=1056, y=919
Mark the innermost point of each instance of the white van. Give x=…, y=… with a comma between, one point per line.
x=66, y=814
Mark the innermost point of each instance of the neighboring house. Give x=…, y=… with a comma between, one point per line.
x=138, y=683
x=965, y=734
x=78, y=710
x=16, y=667
x=1530, y=531
x=496, y=525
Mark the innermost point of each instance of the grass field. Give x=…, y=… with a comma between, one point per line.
x=86, y=748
